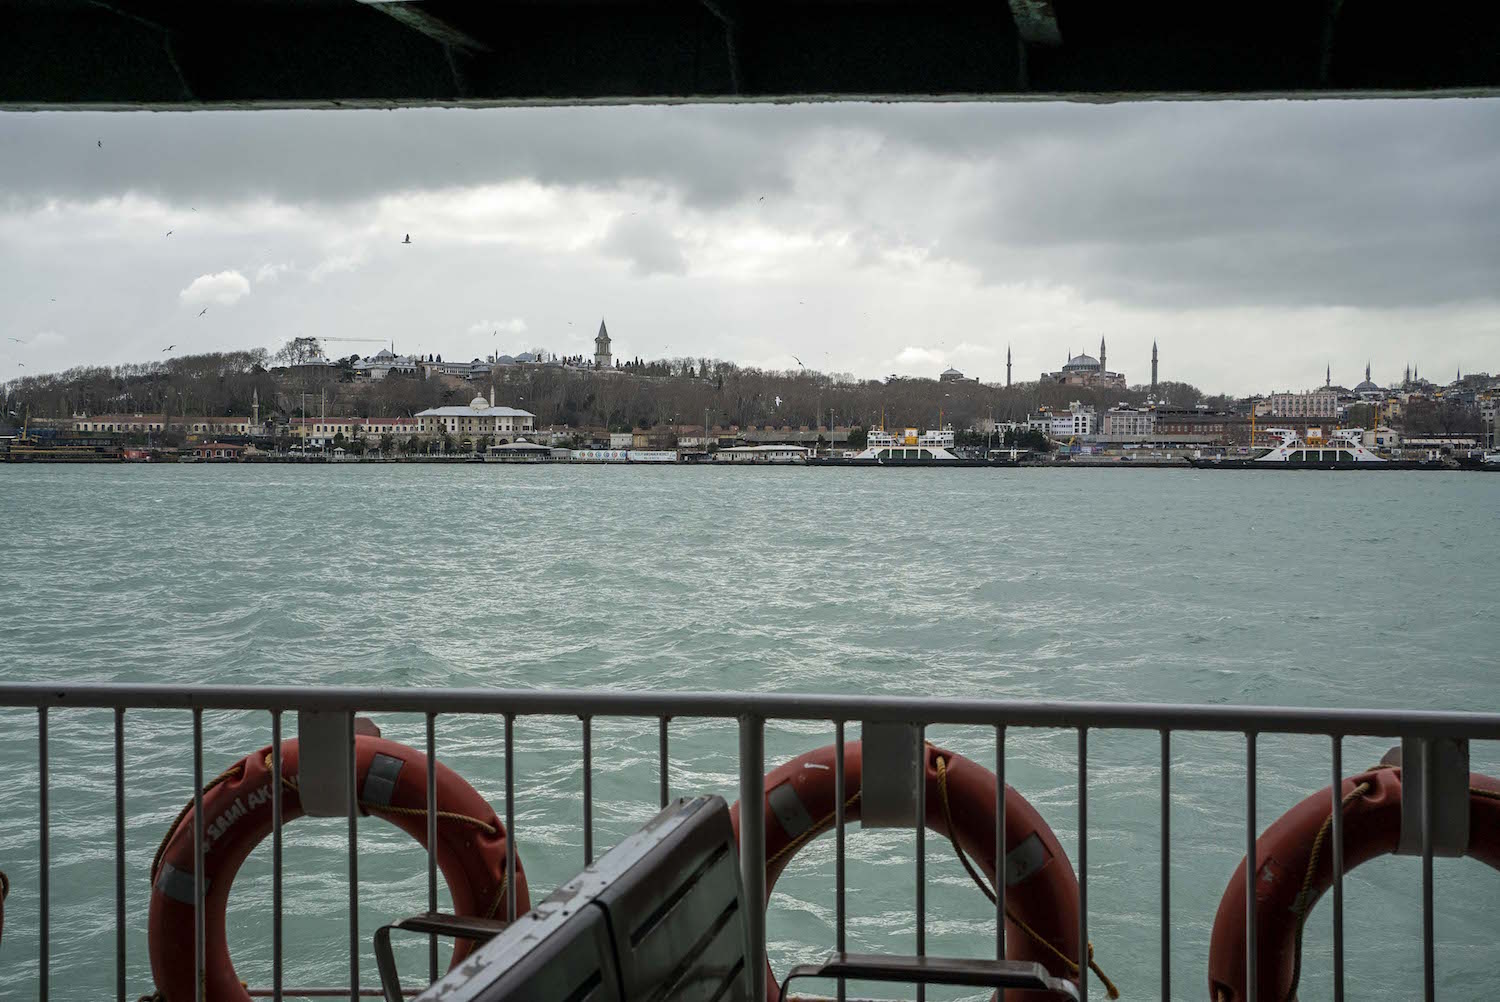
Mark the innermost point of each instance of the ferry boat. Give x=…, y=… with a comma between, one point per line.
x=911, y=448
x=1344, y=449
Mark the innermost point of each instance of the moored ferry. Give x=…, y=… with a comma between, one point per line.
x=910, y=447
x=1344, y=449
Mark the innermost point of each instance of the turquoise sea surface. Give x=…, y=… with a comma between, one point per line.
x=1304, y=589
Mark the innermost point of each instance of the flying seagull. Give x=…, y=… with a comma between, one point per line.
x=168, y=348
x=169, y=232
x=761, y=199
x=408, y=239
x=799, y=361
x=203, y=311
x=100, y=143
x=17, y=340
x=778, y=401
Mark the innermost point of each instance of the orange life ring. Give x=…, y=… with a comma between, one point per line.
x=237, y=815
x=1296, y=868
x=1041, y=890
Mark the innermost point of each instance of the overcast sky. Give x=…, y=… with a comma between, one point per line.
x=1256, y=242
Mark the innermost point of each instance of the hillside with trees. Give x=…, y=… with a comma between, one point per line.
x=639, y=394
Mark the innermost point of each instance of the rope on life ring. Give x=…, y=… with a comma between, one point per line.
x=983, y=885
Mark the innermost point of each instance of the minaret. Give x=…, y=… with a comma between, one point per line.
x=601, y=347
x=1367, y=372
x=1102, y=368
x=255, y=411
x=1007, y=366
x=1153, y=368
x=1328, y=376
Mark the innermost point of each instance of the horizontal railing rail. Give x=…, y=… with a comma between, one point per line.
x=751, y=711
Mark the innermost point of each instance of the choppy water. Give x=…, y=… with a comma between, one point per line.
x=1308, y=589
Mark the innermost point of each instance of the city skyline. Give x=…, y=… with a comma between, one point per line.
x=850, y=238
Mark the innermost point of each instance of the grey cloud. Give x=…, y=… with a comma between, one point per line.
x=649, y=247
x=709, y=156
x=1153, y=208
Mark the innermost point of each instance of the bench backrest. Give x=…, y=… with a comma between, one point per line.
x=658, y=918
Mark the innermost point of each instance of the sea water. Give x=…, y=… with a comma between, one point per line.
x=1301, y=589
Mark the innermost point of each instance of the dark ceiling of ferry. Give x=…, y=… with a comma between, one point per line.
x=318, y=53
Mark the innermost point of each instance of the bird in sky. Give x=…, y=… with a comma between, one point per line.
x=408, y=239
x=170, y=232
x=203, y=311
x=16, y=340
x=778, y=401
x=761, y=198
x=100, y=143
x=798, y=361
x=168, y=348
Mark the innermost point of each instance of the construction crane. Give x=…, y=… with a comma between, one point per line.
x=362, y=340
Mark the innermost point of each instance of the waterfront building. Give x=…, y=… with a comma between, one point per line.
x=601, y=347
x=1078, y=421
x=218, y=450
x=136, y=424
x=1040, y=421
x=763, y=454
x=1200, y=425
x=146, y=424
x=320, y=432
x=1319, y=403
x=1382, y=437
x=1126, y=423
x=480, y=417
x=1086, y=370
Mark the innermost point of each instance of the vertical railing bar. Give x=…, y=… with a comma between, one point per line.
x=200, y=962
x=661, y=741
x=839, y=796
x=588, y=791
x=1252, y=965
x=1166, y=865
x=1000, y=846
x=276, y=975
x=353, y=772
x=1338, y=869
x=44, y=919
x=120, y=853
x=1429, y=777
x=921, y=851
x=753, y=848
x=1000, y=849
x=1083, y=864
x=510, y=818
x=432, y=814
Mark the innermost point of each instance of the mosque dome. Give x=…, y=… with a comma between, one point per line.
x=1082, y=362
x=479, y=404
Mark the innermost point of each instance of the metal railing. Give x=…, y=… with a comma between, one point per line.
x=751, y=711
